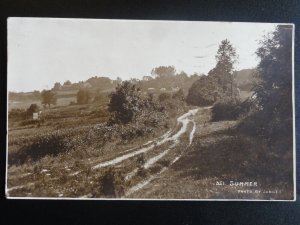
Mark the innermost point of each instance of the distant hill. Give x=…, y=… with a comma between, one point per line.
x=66, y=92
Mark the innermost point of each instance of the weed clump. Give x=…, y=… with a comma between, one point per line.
x=112, y=183
x=140, y=161
x=42, y=145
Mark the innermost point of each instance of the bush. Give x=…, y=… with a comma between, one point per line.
x=202, y=92
x=128, y=105
x=17, y=114
x=140, y=161
x=227, y=109
x=48, y=144
x=33, y=108
x=179, y=95
x=164, y=96
x=31, y=122
x=125, y=103
x=112, y=183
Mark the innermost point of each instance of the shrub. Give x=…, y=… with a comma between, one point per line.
x=17, y=114
x=48, y=144
x=179, y=95
x=33, y=108
x=30, y=122
x=227, y=109
x=164, y=96
x=140, y=161
x=124, y=103
x=112, y=183
x=128, y=105
x=202, y=92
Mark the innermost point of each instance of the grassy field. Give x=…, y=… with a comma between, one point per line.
x=71, y=153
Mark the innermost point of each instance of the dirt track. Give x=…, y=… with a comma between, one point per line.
x=157, y=183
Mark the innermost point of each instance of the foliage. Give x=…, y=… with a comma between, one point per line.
x=201, y=92
x=274, y=91
x=112, y=183
x=164, y=96
x=127, y=104
x=57, y=86
x=51, y=144
x=67, y=82
x=17, y=114
x=245, y=79
x=272, y=123
x=124, y=103
x=48, y=98
x=179, y=95
x=100, y=82
x=226, y=56
x=227, y=109
x=163, y=71
x=36, y=94
x=219, y=82
x=31, y=122
x=33, y=108
x=83, y=96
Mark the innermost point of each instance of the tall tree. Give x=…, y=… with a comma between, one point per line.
x=226, y=57
x=163, y=71
x=274, y=91
x=219, y=84
x=48, y=98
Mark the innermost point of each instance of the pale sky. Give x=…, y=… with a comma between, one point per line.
x=42, y=51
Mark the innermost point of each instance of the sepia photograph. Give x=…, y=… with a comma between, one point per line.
x=150, y=110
